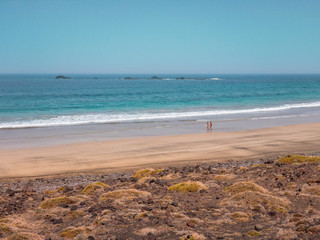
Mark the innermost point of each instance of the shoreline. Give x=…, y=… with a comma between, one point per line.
x=162, y=151
x=94, y=132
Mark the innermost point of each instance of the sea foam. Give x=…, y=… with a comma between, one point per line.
x=67, y=120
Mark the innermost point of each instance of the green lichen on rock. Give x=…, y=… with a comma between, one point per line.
x=250, y=199
x=244, y=186
x=281, y=210
x=292, y=159
x=185, y=187
x=2, y=200
x=4, y=229
x=4, y=220
x=124, y=194
x=148, y=172
x=73, y=215
x=141, y=215
x=71, y=233
x=313, y=190
x=91, y=188
x=253, y=233
x=54, y=192
x=240, y=216
x=18, y=237
x=223, y=177
x=54, y=202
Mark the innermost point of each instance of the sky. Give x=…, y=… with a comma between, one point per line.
x=160, y=36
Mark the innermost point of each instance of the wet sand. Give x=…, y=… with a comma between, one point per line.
x=161, y=151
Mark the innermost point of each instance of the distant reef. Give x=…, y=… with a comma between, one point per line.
x=130, y=78
x=62, y=77
x=170, y=78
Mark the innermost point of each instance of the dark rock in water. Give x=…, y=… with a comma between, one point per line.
x=129, y=78
x=95, y=78
x=155, y=77
x=180, y=78
x=62, y=77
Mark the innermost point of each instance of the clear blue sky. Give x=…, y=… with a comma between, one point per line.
x=160, y=36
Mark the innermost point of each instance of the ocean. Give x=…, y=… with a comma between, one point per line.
x=124, y=101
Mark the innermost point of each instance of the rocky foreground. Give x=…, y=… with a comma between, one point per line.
x=265, y=199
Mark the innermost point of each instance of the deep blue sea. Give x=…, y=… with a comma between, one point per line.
x=34, y=100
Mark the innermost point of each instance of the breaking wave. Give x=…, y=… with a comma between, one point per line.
x=67, y=120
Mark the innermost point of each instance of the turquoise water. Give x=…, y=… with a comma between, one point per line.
x=42, y=100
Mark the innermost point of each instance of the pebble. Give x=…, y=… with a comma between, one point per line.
x=56, y=221
x=73, y=208
x=258, y=227
x=175, y=204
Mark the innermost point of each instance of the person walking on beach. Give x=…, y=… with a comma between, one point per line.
x=207, y=126
x=210, y=126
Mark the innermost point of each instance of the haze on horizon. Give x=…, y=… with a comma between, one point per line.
x=144, y=36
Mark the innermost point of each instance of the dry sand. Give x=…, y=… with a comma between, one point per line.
x=130, y=153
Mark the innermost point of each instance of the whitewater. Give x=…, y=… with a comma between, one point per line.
x=132, y=117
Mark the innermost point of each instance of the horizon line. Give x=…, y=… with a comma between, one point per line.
x=9, y=73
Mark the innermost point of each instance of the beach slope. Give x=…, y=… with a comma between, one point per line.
x=163, y=151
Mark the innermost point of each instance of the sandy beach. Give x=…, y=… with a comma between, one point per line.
x=162, y=151
x=148, y=120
